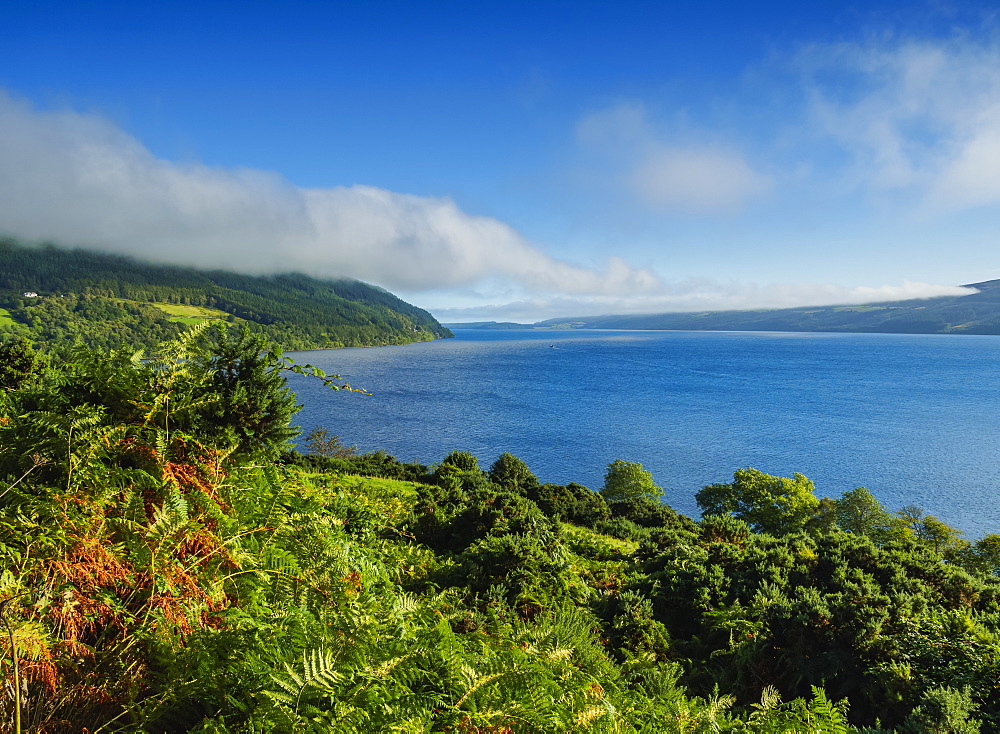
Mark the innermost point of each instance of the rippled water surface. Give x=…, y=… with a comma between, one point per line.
x=913, y=418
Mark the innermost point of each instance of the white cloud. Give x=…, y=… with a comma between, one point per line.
x=80, y=180
x=972, y=176
x=896, y=119
x=916, y=117
x=696, y=180
x=691, y=178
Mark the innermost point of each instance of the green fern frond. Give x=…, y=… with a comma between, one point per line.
x=770, y=699
x=319, y=669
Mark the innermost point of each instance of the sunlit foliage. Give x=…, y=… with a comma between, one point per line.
x=168, y=565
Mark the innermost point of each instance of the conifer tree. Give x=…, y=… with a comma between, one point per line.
x=249, y=405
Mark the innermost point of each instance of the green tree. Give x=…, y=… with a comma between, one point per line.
x=770, y=504
x=460, y=469
x=940, y=536
x=857, y=511
x=461, y=460
x=18, y=363
x=986, y=554
x=512, y=474
x=248, y=406
x=323, y=443
x=943, y=710
x=573, y=503
x=627, y=480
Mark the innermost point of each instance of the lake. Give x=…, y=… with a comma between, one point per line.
x=911, y=417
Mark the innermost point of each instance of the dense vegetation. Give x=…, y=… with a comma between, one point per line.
x=168, y=565
x=976, y=313
x=108, y=301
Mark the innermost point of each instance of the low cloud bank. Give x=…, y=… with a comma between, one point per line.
x=78, y=179
x=699, y=295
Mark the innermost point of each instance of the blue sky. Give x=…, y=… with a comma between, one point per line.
x=517, y=160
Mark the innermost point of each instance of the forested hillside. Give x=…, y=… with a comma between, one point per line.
x=975, y=313
x=168, y=565
x=108, y=301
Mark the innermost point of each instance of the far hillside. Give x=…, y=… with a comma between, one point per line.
x=55, y=296
x=975, y=313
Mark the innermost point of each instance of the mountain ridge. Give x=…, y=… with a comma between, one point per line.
x=976, y=312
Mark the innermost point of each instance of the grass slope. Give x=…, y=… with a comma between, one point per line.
x=190, y=315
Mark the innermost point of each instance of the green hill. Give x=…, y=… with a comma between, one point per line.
x=110, y=300
x=976, y=313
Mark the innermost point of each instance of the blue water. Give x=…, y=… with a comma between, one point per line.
x=911, y=417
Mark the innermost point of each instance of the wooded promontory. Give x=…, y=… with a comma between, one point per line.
x=54, y=296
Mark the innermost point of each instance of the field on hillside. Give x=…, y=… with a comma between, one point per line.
x=183, y=314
